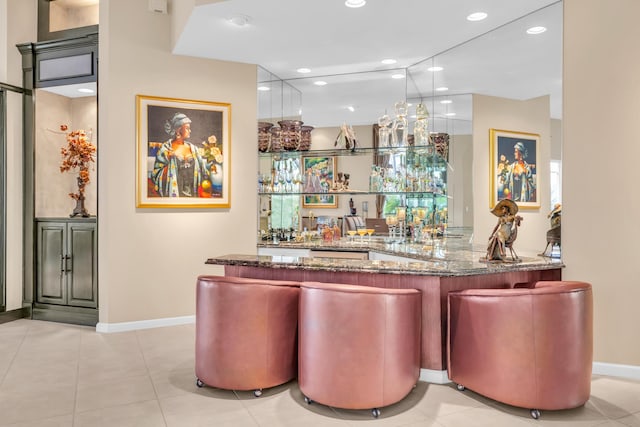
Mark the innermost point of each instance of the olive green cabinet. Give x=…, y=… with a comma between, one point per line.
x=66, y=273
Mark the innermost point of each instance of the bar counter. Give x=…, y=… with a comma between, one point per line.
x=435, y=268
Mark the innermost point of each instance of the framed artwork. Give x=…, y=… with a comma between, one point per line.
x=513, y=168
x=183, y=153
x=319, y=173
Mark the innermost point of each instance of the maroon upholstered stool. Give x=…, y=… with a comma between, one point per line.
x=527, y=347
x=246, y=332
x=359, y=346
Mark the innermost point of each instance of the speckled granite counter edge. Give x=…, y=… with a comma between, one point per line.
x=423, y=267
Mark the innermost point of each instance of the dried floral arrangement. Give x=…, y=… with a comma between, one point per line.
x=77, y=155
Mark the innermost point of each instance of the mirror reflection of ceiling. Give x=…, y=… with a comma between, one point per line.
x=344, y=47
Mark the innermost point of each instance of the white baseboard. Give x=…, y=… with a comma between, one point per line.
x=599, y=368
x=433, y=376
x=144, y=324
x=428, y=375
x=615, y=370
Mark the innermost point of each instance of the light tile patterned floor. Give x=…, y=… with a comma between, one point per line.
x=57, y=375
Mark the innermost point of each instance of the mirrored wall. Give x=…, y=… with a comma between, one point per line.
x=506, y=62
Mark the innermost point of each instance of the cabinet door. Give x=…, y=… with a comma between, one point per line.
x=50, y=279
x=81, y=266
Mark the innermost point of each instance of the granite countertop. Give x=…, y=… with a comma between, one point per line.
x=440, y=257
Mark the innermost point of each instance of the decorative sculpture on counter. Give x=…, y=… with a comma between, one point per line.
x=553, y=234
x=420, y=132
x=505, y=232
x=400, y=126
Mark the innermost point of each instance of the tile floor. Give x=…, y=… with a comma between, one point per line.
x=57, y=375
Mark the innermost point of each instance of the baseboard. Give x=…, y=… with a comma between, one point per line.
x=144, y=324
x=18, y=313
x=615, y=370
x=428, y=375
x=433, y=376
x=599, y=368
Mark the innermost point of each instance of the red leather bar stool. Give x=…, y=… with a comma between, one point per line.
x=527, y=347
x=246, y=332
x=359, y=346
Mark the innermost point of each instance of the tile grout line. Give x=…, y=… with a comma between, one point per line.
x=15, y=355
x=146, y=365
x=246, y=408
x=75, y=397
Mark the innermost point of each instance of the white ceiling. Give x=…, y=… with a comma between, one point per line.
x=493, y=57
x=344, y=47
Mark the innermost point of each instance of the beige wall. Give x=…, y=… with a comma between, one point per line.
x=149, y=258
x=460, y=181
x=53, y=187
x=531, y=116
x=3, y=40
x=600, y=227
x=556, y=139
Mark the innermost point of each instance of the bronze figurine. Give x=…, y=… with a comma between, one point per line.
x=554, y=233
x=505, y=232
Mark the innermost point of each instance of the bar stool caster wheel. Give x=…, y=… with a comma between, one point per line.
x=375, y=412
x=307, y=400
x=460, y=387
x=535, y=414
x=257, y=393
x=199, y=383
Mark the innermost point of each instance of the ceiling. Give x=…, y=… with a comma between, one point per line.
x=344, y=47
x=494, y=56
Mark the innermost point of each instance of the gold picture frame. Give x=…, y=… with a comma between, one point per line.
x=183, y=153
x=319, y=175
x=514, y=157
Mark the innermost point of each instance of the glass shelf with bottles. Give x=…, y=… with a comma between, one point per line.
x=394, y=170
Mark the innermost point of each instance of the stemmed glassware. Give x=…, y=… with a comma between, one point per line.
x=361, y=232
x=370, y=232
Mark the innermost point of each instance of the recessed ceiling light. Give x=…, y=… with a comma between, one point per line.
x=389, y=61
x=355, y=3
x=303, y=70
x=350, y=108
x=442, y=89
x=264, y=88
x=85, y=90
x=397, y=76
x=536, y=30
x=435, y=69
x=320, y=83
x=477, y=16
x=240, y=20
x=446, y=101
x=450, y=114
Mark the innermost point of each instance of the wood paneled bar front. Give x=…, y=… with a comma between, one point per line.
x=434, y=276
